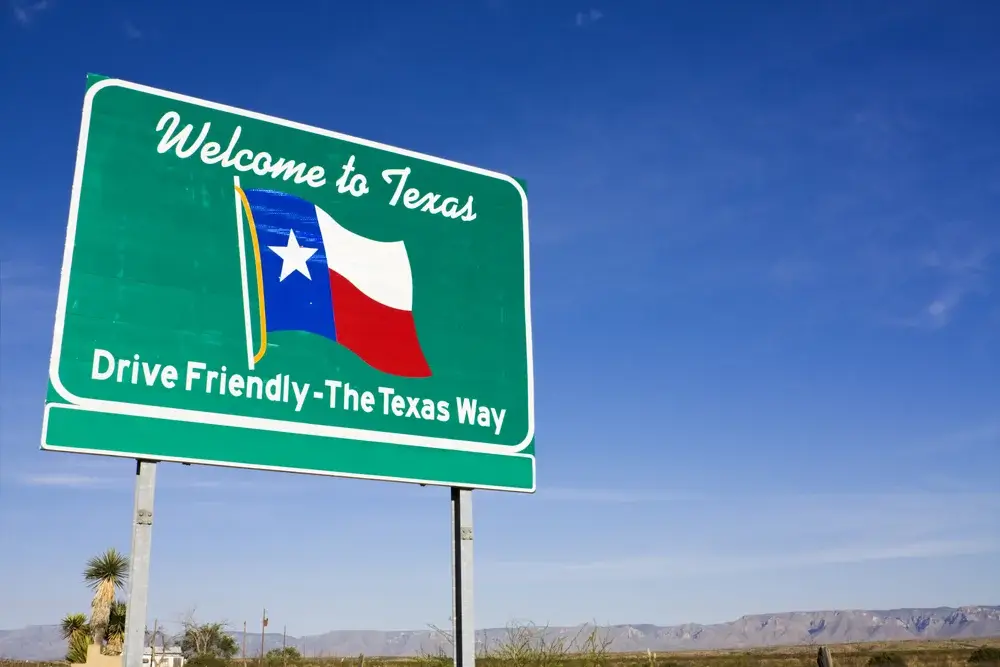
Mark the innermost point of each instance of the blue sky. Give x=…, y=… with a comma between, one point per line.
x=767, y=339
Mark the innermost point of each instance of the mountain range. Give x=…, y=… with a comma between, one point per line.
x=43, y=642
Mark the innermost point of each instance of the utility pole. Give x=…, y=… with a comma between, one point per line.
x=152, y=644
x=263, y=624
x=244, y=643
x=284, y=636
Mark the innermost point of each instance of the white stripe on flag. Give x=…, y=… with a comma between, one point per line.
x=380, y=269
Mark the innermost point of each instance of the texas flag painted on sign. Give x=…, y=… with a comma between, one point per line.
x=316, y=276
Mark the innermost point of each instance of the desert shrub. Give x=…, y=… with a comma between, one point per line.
x=886, y=659
x=985, y=655
x=737, y=660
x=207, y=639
x=439, y=659
x=206, y=660
x=527, y=646
x=283, y=656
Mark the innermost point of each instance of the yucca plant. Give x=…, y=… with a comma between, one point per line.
x=104, y=574
x=76, y=631
x=73, y=624
x=78, y=645
x=116, y=628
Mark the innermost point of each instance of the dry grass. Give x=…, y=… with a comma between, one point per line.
x=916, y=653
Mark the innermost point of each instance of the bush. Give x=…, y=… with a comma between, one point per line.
x=283, y=656
x=886, y=659
x=985, y=655
x=206, y=660
x=207, y=639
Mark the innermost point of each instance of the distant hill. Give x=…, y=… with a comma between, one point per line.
x=828, y=627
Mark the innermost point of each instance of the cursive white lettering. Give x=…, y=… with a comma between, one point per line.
x=427, y=202
x=168, y=142
x=262, y=163
x=357, y=186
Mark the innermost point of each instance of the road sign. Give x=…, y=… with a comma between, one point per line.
x=247, y=291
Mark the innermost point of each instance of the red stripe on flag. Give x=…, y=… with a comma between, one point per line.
x=384, y=337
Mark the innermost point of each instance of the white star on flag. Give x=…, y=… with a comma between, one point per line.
x=293, y=257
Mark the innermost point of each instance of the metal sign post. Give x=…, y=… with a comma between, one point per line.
x=462, y=618
x=138, y=576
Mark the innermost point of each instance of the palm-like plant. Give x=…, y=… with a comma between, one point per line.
x=75, y=629
x=73, y=624
x=77, y=651
x=104, y=574
x=116, y=627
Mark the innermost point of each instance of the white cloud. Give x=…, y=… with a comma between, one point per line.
x=591, y=16
x=693, y=564
x=612, y=496
x=747, y=533
x=974, y=436
x=24, y=12
x=97, y=477
x=28, y=296
x=66, y=480
x=789, y=271
x=959, y=275
x=18, y=275
x=131, y=31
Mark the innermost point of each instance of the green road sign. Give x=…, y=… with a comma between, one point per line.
x=247, y=291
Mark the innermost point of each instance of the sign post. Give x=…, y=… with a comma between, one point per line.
x=246, y=291
x=463, y=629
x=138, y=576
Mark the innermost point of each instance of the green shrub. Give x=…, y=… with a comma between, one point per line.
x=206, y=660
x=985, y=655
x=283, y=656
x=886, y=659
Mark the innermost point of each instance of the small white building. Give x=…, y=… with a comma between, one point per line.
x=165, y=657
